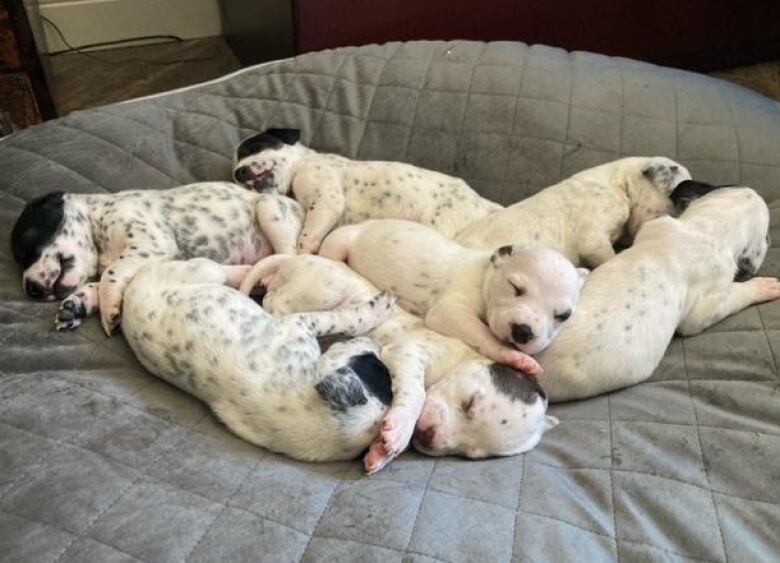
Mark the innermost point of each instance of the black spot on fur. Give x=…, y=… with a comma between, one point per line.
x=688, y=190
x=746, y=269
x=36, y=227
x=342, y=390
x=268, y=139
x=515, y=384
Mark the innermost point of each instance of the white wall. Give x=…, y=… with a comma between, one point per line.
x=92, y=21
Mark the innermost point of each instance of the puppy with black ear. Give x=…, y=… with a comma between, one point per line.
x=335, y=190
x=688, y=190
x=585, y=215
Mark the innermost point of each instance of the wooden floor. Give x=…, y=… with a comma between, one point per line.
x=102, y=77
x=80, y=81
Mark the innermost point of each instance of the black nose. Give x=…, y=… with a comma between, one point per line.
x=243, y=174
x=522, y=334
x=425, y=437
x=34, y=289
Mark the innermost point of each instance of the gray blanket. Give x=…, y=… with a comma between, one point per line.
x=99, y=461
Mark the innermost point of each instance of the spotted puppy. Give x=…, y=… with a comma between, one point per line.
x=63, y=240
x=335, y=190
x=263, y=376
x=507, y=305
x=585, y=215
x=472, y=407
x=679, y=275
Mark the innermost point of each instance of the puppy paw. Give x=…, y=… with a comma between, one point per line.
x=383, y=305
x=109, y=318
x=522, y=362
x=767, y=289
x=376, y=458
x=71, y=312
x=308, y=245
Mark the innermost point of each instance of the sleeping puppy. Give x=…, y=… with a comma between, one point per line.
x=586, y=214
x=335, y=190
x=63, y=240
x=472, y=407
x=679, y=275
x=507, y=305
x=263, y=376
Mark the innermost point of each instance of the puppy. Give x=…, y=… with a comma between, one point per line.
x=515, y=297
x=473, y=407
x=335, y=190
x=585, y=215
x=263, y=376
x=63, y=240
x=678, y=276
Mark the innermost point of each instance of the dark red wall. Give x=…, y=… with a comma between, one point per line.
x=703, y=34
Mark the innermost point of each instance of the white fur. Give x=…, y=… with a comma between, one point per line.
x=583, y=216
x=334, y=190
x=677, y=276
x=259, y=374
x=418, y=359
x=464, y=293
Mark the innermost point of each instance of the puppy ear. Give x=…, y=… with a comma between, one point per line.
x=583, y=272
x=251, y=145
x=688, y=190
x=287, y=136
x=501, y=254
x=662, y=175
x=550, y=422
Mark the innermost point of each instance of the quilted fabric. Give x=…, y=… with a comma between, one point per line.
x=102, y=462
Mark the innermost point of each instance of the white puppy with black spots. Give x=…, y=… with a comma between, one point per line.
x=678, y=276
x=263, y=376
x=586, y=214
x=472, y=407
x=335, y=190
x=508, y=304
x=62, y=241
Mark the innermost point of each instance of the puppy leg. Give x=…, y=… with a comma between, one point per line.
x=262, y=272
x=450, y=319
x=354, y=321
x=281, y=219
x=716, y=306
x=322, y=214
x=407, y=363
x=336, y=244
x=77, y=307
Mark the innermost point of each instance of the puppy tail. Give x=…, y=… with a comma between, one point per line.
x=263, y=269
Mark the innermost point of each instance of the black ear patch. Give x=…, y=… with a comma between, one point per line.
x=374, y=375
x=349, y=386
x=746, y=269
x=515, y=384
x=36, y=226
x=501, y=252
x=688, y=190
x=268, y=139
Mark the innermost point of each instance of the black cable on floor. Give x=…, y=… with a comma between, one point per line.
x=80, y=50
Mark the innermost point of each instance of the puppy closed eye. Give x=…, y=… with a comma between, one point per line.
x=563, y=317
x=467, y=405
x=519, y=291
x=66, y=262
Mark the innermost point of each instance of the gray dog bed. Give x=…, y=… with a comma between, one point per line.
x=102, y=462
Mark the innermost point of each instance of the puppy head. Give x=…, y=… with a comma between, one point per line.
x=649, y=182
x=482, y=409
x=51, y=246
x=529, y=294
x=741, y=217
x=265, y=162
x=688, y=190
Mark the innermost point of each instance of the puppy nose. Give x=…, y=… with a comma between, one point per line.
x=243, y=174
x=34, y=289
x=425, y=437
x=522, y=334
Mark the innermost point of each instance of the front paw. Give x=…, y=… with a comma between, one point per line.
x=522, y=362
x=71, y=313
x=308, y=244
x=767, y=289
x=394, y=438
x=109, y=318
